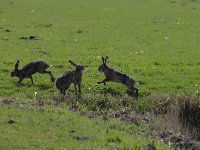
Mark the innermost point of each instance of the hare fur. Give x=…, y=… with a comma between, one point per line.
x=118, y=77
x=28, y=70
x=72, y=76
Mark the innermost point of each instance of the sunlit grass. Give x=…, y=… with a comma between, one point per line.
x=155, y=42
x=58, y=128
x=153, y=48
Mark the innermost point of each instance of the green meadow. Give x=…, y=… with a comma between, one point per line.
x=61, y=129
x=156, y=42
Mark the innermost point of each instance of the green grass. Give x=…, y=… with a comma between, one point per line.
x=156, y=42
x=55, y=128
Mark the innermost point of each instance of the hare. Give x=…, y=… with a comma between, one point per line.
x=72, y=76
x=118, y=77
x=28, y=70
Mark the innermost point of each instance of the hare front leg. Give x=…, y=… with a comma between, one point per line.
x=104, y=81
x=20, y=80
x=62, y=92
x=75, y=88
x=77, y=94
x=31, y=79
x=79, y=90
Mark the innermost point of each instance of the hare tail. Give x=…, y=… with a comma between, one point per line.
x=136, y=82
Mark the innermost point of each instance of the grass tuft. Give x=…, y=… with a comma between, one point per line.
x=189, y=114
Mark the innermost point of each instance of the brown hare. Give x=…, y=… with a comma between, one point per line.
x=118, y=77
x=28, y=70
x=72, y=76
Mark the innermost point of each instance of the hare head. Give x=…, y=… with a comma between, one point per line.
x=103, y=66
x=16, y=71
x=78, y=66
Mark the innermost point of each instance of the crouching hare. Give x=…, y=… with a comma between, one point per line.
x=118, y=77
x=28, y=70
x=72, y=76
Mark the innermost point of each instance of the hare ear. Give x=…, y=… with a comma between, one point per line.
x=106, y=58
x=17, y=64
x=103, y=60
x=71, y=62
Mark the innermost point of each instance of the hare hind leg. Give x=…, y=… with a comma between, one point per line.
x=63, y=92
x=79, y=88
x=136, y=91
x=133, y=91
x=51, y=75
x=104, y=81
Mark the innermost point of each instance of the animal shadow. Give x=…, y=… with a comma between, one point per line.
x=111, y=91
x=5, y=70
x=43, y=86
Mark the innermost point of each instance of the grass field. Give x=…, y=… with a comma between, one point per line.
x=156, y=42
x=61, y=129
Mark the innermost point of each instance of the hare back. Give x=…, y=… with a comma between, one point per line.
x=119, y=77
x=73, y=76
x=63, y=83
x=69, y=72
x=69, y=75
x=36, y=66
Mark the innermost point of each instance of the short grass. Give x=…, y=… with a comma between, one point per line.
x=156, y=42
x=58, y=128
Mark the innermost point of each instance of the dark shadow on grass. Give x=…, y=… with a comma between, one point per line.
x=144, y=94
x=22, y=84
x=5, y=70
x=16, y=84
x=29, y=85
x=110, y=91
x=43, y=86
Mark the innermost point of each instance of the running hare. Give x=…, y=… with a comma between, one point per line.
x=72, y=76
x=116, y=76
x=28, y=70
